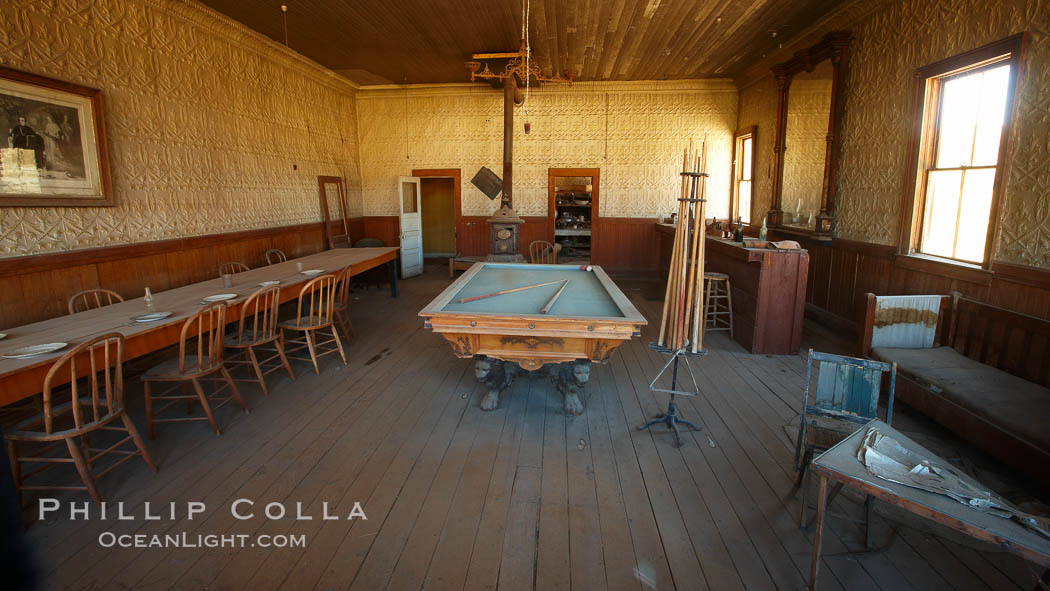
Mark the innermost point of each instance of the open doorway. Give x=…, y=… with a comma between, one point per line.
x=572, y=211
x=440, y=208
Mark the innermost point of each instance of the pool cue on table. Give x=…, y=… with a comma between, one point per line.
x=664, y=333
x=555, y=297
x=505, y=292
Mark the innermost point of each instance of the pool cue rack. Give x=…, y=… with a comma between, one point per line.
x=681, y=330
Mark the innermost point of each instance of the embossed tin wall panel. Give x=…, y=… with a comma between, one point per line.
x=204, y=118
x=758, y=107
x=892, y=40
x=633, y=132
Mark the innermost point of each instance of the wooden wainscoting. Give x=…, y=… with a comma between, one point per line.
x=384, y=227
x=37, y=287
x=840, y=273
x=628, y=246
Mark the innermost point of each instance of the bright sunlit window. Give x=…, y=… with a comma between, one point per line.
x=964, y=121
x=744, y=149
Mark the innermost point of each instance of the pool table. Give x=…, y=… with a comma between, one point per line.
x=508, y=333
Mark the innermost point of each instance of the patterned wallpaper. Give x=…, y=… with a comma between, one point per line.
x=805, y=142
x=893, y=38
x=758, y=107
x=888, y=48
x=205, y=120
x=633, y=132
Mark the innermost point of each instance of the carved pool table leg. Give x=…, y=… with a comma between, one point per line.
x=496, y=375
x=569, y=379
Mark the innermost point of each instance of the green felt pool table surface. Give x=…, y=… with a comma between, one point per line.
x=585, y=296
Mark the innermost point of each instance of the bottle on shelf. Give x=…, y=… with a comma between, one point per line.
x=738, y=235
x=763, y=230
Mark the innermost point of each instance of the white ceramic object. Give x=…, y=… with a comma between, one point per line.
x=312, y=272
x=34, y=350
x=151, y=317
x=219, y=297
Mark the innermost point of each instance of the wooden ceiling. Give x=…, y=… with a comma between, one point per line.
x=421, y=41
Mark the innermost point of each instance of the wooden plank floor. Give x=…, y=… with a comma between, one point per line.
x=520, y=498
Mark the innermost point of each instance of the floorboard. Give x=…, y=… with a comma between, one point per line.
x=524, y=497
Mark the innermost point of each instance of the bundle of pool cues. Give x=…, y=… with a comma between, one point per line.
x=681, y=324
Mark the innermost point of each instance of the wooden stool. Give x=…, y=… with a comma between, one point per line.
x=718, y=303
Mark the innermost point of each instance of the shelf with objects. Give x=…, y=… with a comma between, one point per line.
x=572, y=222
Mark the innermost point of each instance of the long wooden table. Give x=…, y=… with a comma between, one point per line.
x=21, y=378
x=841, y=465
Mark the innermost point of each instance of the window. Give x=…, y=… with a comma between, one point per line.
x=965, y=109
x=743, y=173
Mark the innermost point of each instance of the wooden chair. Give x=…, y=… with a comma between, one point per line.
x=314, y=315
x=231, y=268
x=90, y=404
x=542, y=252
x=92, y=298
x=846, y=397
x=200, y=358
x=274, y=256
x=257, y=330
x=342, y=303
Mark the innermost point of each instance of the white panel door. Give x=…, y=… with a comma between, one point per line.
x=411, y=226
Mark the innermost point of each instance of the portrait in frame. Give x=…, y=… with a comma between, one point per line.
x=52, y=143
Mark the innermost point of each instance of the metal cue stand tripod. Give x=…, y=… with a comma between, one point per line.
x=671, y=418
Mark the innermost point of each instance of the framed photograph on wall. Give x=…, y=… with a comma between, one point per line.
x=53, y=143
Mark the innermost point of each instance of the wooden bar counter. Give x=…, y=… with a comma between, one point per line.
x=769, y=290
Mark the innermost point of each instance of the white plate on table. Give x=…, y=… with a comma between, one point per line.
x=219, y=297
x=269, y=283
x=33, y=350
x=151, y=317
x=312, y=272
x=2, y=335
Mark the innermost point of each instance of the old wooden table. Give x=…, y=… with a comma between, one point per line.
x=841, y=465
x=21, y=378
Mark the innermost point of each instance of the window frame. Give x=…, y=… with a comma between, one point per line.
x=734, y=194
x=922, y=140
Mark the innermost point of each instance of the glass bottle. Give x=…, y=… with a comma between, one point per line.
x=148, y=299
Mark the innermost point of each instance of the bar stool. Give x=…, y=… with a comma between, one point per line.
x=718, y=303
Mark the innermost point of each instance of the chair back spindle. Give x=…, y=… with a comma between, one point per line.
x=202, y=338
x=90, y=299
x=317, y=302
x=274, y=256
x=97, y=365
x=258, y=320
x=232, y=268
x=542, y=252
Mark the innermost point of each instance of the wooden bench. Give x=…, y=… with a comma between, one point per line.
x=979, y=370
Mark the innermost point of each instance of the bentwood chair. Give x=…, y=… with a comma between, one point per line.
x=200, y=358
x=342, y=303
x=257, y=332
x=315, y=316
x=274, y=256
x=92, y=402
x=845, y=397
x=542, y=252
x=231, y=268
x=92, y=298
